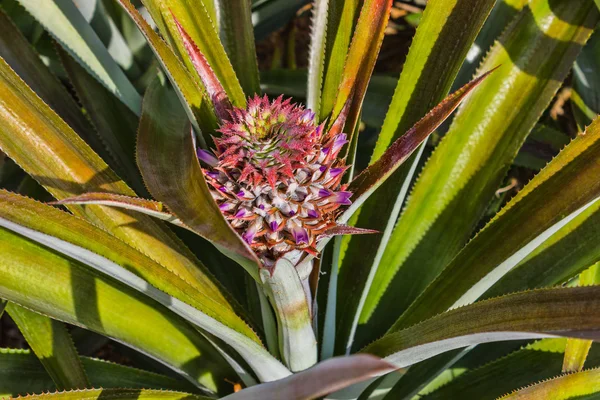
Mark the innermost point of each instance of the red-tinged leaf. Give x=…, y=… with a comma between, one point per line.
x=167, y=158
x=346, y=230
x=215, y=90
x=361, y=58
x=198, y=110
x=373, y=176
x=329, y=376
x=148, y=207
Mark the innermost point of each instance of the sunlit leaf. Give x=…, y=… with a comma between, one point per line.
x=468, y=166
x=566, y=187
x=439, y=47
x=65, y=23
x=575, y=385
x=540, y=313
x=83, y=297
x=117, y=394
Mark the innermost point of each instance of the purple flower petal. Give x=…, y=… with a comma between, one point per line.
x=333, y=172
x=242, y=213
x=300, y=235
x=323, y=168
x=273, y=225
x=312, y=214
x=213, y=174
x=248, y=236
x=207, y=157
x=339, y=142
x=342, y=198
x=226, y=206
x=324, y=193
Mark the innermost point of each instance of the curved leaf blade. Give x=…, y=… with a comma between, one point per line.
x=576, y=385
x=65, y=23
x=22, y=373
x=196, y=21
x=149, y=207
x=540, y=313
x=376, y=174
x=326, y=377
x=53, y=346
x=52, y=153
x=566, y=187
x=117, y=394
x=90, y=246
x=237, y=34
x=60, y=226
x=197, y=110
x=469, y=164
x=167, y=158
x=442, y=40
x=82, y=297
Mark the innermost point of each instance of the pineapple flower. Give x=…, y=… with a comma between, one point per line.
x=276, y=176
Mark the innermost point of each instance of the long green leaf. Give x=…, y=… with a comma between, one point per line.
x=577, y=385
x=65, y=23
x=316, y=56
x=196, y=20
x=53, y=346
x=116, y=124
x=561, y=257
x=467, y=167
x=235, y=25
x=360, y=60
x=341, y=16
x=502, y=14
x=38, y=278
x=117, y=394
x=167, y=158
x=26, y=62
x=540, y=313
x=91, y=246
x=198, y=111
x=60, y=225
x=48, y=150
x=375, y=174
x=22, y=373
x=586, y=84
x=565, y=188
x=443, y=38
x=577, y=350
x=534, y=362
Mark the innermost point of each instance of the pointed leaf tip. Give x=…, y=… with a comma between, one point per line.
x=346, y=230
x=213, y=86
x=374, y=175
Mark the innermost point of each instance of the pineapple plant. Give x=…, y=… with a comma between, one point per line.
x=228, y=235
